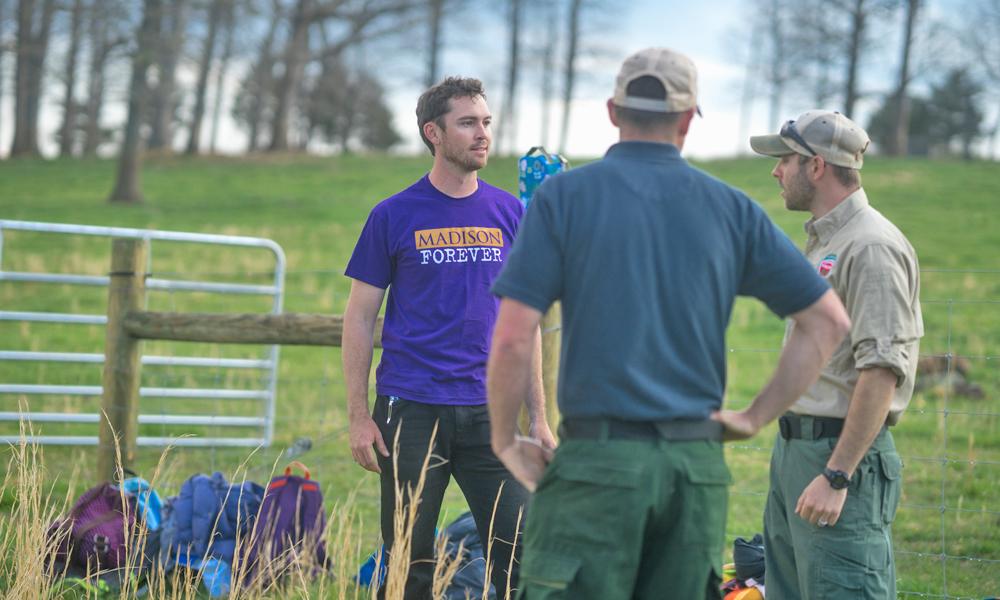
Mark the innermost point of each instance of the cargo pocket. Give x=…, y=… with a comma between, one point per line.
x=586, y=504
x=546, y=576
x=840, y=581
x=892, y=470
x=706, y=503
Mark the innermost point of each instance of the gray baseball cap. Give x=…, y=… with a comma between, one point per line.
x=839, y=140
x=674, y=70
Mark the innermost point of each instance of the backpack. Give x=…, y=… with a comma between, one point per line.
x=92, y=538
x=290, y=525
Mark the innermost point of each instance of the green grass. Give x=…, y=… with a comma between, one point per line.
x=315, y=208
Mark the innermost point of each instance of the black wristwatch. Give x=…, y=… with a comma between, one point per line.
x=838, y=479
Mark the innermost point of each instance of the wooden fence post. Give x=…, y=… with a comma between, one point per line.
x=120, y=400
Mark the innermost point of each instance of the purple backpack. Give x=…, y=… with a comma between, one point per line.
x=91, y=538
x=289, y=528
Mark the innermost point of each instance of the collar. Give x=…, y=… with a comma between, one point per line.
x=648, y=151
x=824, y=227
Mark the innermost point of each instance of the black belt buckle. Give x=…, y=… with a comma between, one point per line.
x=785, y=427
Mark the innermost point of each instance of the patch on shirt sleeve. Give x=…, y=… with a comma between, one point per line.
x=827, y=264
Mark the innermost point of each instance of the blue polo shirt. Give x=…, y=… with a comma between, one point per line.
x=647, y=255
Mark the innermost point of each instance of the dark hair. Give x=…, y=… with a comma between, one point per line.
x=435, y=103
x=847, y=176
x=646, y=86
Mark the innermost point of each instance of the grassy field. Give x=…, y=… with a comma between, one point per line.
x=946, y=530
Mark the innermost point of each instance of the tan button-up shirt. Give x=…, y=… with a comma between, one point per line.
x=874, y=270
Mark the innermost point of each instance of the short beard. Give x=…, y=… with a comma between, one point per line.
x=460, y=159
x=799, y=193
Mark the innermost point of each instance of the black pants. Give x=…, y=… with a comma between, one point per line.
x=461, y=449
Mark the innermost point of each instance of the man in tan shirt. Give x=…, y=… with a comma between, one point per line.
x=835, y=472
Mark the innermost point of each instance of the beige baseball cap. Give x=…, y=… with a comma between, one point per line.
x=839, y=140
x=674, y=70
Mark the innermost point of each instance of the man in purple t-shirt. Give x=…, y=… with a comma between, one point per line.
x=437, y=246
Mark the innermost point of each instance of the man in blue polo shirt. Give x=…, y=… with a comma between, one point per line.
x=647, y=255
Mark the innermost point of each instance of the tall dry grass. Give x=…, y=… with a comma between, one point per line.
x=25, y=544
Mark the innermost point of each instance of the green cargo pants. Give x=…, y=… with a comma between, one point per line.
x=623, y=519
x=851, y=559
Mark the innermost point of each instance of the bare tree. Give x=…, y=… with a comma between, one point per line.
x=67, y=132
x=296, y=55
x=104, y=38
x=215, y=14
x=507, y=135
x=3, y=50
x=569, y=68
x=256, y=89
x=435, y=17
x=34, y=25
x=128, y=186
x=164, y=101
x=902, y=125
x=983, y=39
x=548, y=70
x=359, y=20
x=229, y=31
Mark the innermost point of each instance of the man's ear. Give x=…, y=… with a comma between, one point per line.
x=612, y=115
x=817, y=168
x=432, y=132
x=684, y=122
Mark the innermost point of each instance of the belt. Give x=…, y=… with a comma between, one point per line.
x=806, y=427
x=618, y=429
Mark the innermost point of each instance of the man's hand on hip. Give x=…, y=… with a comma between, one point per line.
x=738, y=425
x=526, y=460
x=539, y=430
x=820, y=504
x=364, y=436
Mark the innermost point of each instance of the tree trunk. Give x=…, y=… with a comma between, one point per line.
x=857, y=36
x=507, y=135
x=434, y=45
x=295, y=58
x=67, y=133
x=201, y=90
x=229, y=26
x=548, y=69
x=128, y=187
x=32, y=47
x=263, y=78
x=164, y=102
x=569, y=73
x=749, y=92
x=3, y=18
x=777, y=66
x=900, y=138
x=99, y=49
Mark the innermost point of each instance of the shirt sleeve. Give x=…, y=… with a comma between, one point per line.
x=775, y=271
x=533, y=271
x=372, y=261
x=879, y=301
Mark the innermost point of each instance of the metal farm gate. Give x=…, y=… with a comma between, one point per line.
x=260, y=422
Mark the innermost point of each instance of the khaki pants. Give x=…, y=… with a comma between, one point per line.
x=623, y=519
x=852, y=559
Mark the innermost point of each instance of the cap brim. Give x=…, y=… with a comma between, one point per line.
x=770, y=145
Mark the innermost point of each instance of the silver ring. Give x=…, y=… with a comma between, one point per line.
x=822, y=522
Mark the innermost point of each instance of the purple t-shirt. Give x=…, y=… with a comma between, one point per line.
x=438, y=256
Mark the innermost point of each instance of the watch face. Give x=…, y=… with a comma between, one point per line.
x=838, y=479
